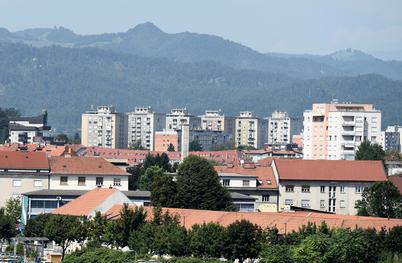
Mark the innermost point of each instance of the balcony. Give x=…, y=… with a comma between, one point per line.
x=348, y=133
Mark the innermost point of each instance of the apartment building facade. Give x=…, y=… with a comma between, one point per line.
x=250, y=130
x=326, y=185
x=29, y=130
x=143, y=122
x=179, y=116
x=392, y=138
x=104, y=127
x=215, y=120
x=335, y=130
x=279, y=128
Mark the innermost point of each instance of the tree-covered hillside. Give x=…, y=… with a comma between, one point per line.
x=67, y=81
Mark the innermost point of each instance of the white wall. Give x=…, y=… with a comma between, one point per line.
x=90, y=182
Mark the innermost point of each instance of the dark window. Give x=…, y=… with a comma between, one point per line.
x=81, y=180
x=63, y=180
x=99, y=181
x=226, y=182
x=37, y=204
x=265, y=198
x=50, y=204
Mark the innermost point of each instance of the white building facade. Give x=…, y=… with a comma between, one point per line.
x=143, y=122
x=279, y=128
x=179, y=116
x=250, y=130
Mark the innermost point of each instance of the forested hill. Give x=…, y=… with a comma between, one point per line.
x=148, y=40
x=67, y=81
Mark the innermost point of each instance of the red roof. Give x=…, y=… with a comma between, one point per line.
x=397, y=181
x=83, y=165
x=267, y=161
x=284, y=221
x=264, y=174
x=86, y=203
x=23, y=160
x=330, y=170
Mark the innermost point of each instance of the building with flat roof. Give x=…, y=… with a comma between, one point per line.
x=104, y=127
x=334, y=131
x=143, y=122
x=251, y=131
x=279, y=128
x=215, y=120
x=29, y=130
x=179, y=116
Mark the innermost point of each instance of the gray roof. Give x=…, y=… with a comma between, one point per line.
x=238, y=196
x=62, y=192
x=33, y=120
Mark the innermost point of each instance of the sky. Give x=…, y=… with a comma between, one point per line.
x=287, y=26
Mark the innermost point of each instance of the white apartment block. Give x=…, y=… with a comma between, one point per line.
x=143, y=122
x=104, y=127
x=179, y=116
x=279, y=128
x=215, y=120
x=335, y=130
x=250, y=130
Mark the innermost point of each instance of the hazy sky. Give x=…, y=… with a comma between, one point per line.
x=293, y=26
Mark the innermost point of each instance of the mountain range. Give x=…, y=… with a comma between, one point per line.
x=66, y=73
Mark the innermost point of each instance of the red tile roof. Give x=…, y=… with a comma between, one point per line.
x=284, y=221
x=83, y=165
x=267, y=161
x=397, y=181
x=23, y=160
x=264, y=174
x=86, y=203
x=334, y=170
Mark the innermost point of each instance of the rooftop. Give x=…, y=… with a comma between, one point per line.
x=330, y=170
x=397, y=181
x=23, y=160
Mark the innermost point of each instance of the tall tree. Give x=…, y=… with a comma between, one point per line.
x=148, y=177
x=7, y=226
x=195, y=146
x=198, y=186
x=170, y=148
x=207, y=240
x=242, y=241
x=382, y=199
x=13, y=209
x=370, y=151
x=163, y=191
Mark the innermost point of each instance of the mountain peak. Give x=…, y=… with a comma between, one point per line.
x=146, y=27
x=350, y=54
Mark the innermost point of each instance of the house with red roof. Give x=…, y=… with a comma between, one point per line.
x=326, y=185
x=85, y=173
x=22, y=172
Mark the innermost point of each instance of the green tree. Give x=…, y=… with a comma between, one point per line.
x=137, y=145
x=195, y=146
x=393, y=240
x=198, y=186
x=97, y=228
x=207, y=240
x=7, y=226
x=170, y=148
x=134, y=177
x=163, y=191
x=13, y=209
x=64, y=230
x=242, y=241
x=381, y=199
x=35, y=226
x=147, y=178
x=5, y=115
x=312, y=249
x=370, y=151
x=276, y=254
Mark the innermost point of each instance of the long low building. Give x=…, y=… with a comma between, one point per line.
x=101, y=200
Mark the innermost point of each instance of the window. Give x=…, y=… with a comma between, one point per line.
x=116, y=182
x=342, y=189
x=265, y=198
x=226, y=182
x=81, y=181
x=63, y=180
x=342, y=204
x=50, y=204
x=17, y=183
x=322, y=188
x=359, y=189
x=322, y=203
x=99, y=181
x=246, y=182
x=305, y=189
x=289, y=188
x=38, y=183
x=288, y=201
x=305, y=203
x=37, y=204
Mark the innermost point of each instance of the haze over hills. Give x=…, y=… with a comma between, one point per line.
x=148, y=40
x=67, y=81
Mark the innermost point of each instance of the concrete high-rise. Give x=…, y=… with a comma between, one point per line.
x=143, y=122
x=279, y=128
x=250, y=130
x=104, y=127
x=179, y=116
x=215, y=120
x=335, y=130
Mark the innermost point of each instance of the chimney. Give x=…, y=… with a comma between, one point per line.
x=185, y=141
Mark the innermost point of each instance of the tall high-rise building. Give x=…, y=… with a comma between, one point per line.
x=335, y=130
x=279, y=128
x=104, y=127
x=143, y=122
x=215, y=120
x=250, y=130
x=392, y=138
x=179, y=116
